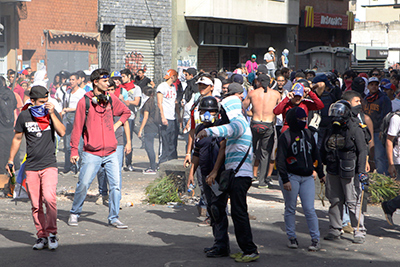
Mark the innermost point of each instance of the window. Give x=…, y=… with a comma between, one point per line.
x=223, y=34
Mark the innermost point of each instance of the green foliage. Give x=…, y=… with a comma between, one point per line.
x=162, y=190
x=382, y=188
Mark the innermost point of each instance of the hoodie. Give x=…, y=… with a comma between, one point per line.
x=298, y=156
x=99, y=137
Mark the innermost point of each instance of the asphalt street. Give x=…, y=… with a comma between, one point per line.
x=170, y=236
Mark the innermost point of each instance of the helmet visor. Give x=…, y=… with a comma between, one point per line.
x=337, y=110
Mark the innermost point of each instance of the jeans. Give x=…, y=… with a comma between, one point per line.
x=381, y=162
x=271, y=72
x=263, y=145
x=128, y=157
x=90, y=166
x=304, y=187
x=168, y=141
x=102, y=175
x=149, y=147
x=338, y=192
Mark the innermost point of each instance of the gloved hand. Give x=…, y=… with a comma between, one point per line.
x=363, y=179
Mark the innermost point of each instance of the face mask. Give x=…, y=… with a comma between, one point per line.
x=38, y=111
x=207, y=117
x=338, y=121
x=302, y=124
x=356, y=109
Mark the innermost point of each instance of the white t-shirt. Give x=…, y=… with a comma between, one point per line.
x=394, y=129
x=395, y=104
x=270, y=65
x=132, y=94
x=71, y=100
x=169, y=98
x=60, y=94
x=217, y=87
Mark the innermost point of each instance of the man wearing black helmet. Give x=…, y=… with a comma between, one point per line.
x=344, y=153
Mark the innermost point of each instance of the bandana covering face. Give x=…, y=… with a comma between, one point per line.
x=41, y=115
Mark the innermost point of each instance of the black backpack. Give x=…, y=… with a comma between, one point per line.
x=385, y=127
x=7, y=105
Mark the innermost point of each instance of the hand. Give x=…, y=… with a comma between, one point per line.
x=74, y=159
x=392, y=171
x=121, y=97
x=322, y=180
x=186, y=162
x=210, y=179
x=50, y=107
x=368, y=168
x=128, y=148
x=164, y=121
x=287, y=186
x=290, y=95
x=190, y=180
x=314, y=174
x=139, y=134
x=201, y=134
x=306, y=91
x=10, y=171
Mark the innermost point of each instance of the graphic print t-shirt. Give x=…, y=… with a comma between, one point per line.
x=40, y=146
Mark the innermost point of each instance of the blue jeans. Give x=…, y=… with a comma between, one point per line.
x=304, y=187
x=102, y=175
x=149, y=147
x=381, y=162
x=90, y=166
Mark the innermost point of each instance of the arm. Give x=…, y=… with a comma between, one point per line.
x=120, y=110
x=361, y=149
x=389, y=152
x=128, y=146
x=246, y=101
x=316, y=103
x=218, y=163
x=152, y=84
x=160, y=106
x=234, y=129
x=317, y=158
x=76, y=134
x=280, y=108
x=16, y=143
x=134, y=102
x=144, y=121
x=281, y=156
x=193, y=168
x=189, y=147
x=370, y=126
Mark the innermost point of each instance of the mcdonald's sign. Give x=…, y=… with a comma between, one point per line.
x=324, y=20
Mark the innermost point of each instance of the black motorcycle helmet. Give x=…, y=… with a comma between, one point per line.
x=209, y=103
x=340, y=112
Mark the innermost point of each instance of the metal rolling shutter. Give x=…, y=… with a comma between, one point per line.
x=139, y=50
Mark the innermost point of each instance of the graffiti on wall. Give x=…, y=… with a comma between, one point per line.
x=186, y=59
x=134, y=61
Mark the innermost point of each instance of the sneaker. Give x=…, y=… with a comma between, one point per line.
x=315, y=245
x=388, y=214
x=293, y=243
x=359, y=240
x=348, y=229
x=149, y=171
x=118, y=224
x=206, y=222
x=41, y=243
x=332, y=237
x=248, y=257
x=99, y=200
x=236, y=255
x=105, y=200
x=53, y=242
x=73, y=220
x=209, y=249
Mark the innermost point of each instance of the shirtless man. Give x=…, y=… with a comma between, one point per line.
x=263, y=100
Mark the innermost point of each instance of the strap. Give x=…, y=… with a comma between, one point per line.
x=241, y=163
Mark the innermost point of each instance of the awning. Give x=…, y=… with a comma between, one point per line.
x=95, y=36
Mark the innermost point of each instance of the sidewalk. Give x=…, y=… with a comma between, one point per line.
x=165, y=236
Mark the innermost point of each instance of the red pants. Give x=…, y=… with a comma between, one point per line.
x=42, y=187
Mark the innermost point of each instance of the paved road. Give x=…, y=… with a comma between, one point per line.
x=168, y=236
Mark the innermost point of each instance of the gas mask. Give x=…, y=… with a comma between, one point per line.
x=207, y=117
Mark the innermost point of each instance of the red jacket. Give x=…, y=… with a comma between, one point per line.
x=99, y=137
x=314, y=104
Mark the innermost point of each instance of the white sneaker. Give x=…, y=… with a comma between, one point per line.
x=41, y=243
x=73, y=220
x=53, y=242
x=118, y=224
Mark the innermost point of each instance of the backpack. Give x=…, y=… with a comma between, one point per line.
x=7, y=105
x=361, y=122
x=385, y=127
x=87, y=106
x=280, y=62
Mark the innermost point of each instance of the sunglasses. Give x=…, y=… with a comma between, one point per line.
x=375, y=74
x=105, y=76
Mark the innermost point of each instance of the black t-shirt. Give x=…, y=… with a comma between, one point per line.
x=40, y=145
x=143, y=82
x=150, y=107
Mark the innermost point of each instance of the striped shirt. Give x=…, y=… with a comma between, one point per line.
x=238, y=135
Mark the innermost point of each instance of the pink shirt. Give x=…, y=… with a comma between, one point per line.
x=249, y=67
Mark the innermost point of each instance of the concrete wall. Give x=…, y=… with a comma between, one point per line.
x=156, y=14
x=265, y=11
x=71, y=15
x=326, y=6
x=382, y=14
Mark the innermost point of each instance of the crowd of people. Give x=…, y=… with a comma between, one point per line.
x=238, y=127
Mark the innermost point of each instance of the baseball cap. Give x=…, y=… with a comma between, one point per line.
x=204, y=80
x=116, y=74
x=271, y=49
x=38, y=91
x=253, y=56
x=262, y=68
x=191, y=71
x=170, y=73
x=298, y=89
x=234, y=88
x=390, y=86
x=373, y=79
x=237, y=78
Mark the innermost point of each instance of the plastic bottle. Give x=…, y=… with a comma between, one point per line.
x=191, y=189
